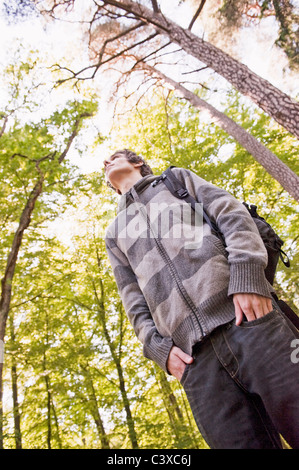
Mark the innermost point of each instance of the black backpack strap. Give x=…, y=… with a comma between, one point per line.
x=286, y=260
x=177, y=188
x=287, y=310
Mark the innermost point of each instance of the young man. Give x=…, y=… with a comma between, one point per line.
x=203, y=312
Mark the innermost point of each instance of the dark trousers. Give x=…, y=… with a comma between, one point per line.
x=243, y=386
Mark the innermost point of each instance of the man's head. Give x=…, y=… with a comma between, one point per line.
x=123, y=164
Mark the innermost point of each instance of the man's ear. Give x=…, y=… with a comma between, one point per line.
x=136, y=165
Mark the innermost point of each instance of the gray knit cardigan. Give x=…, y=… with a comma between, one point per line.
x=177, y=289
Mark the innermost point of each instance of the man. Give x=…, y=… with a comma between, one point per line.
x=205, y=314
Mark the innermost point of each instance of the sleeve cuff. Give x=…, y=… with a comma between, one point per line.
x=248, y=278
x=159, y=352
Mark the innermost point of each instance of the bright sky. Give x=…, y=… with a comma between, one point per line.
x=58, y=43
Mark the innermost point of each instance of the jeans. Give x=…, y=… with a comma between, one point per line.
x=243, y=385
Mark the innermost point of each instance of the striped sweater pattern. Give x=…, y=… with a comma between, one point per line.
x=178, y=289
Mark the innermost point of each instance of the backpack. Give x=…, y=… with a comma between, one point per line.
x=272, y=241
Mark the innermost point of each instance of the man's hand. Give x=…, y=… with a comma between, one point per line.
x=177, y=361
x=252, y=305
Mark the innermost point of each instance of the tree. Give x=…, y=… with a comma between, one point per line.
x=102, y=307
x=234, y=14
x=151, y=23
x=41, y=170
x=275, y=167
x=14, y=381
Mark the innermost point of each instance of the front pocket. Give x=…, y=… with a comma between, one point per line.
x=258, y=321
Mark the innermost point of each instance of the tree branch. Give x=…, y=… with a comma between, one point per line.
x=196, y=14
x=118, y=36
x=155, y=6
x=73, y=135
x=76, y=75
x=4, y=125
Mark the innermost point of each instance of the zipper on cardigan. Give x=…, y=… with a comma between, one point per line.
x=167, y=261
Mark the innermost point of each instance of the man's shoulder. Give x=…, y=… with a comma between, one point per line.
x=187, y=176
x=180, y=171
x=110, y=231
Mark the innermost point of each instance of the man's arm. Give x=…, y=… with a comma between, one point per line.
x=246, y=254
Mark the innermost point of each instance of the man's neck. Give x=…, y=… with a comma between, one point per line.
x=126, y=184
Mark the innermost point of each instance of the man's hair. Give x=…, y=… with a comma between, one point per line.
x=132, y=157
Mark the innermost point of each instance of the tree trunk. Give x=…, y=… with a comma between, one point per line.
x=101, y=430
x=50, y=403
x=8, y=277
x=272, y=164
x=13, y=255
x=167, y=391
x=14, y=380
x=117, y=361
x=47, y=383
x=56, y=423
x=191, y=422
x=175, y=415
x=49, y=420
x=123, y=390
x=130, y=420
x=6, y=283
x=94, y=408
x=274, y=102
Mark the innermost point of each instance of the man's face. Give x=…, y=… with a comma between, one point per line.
x=116, y=165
